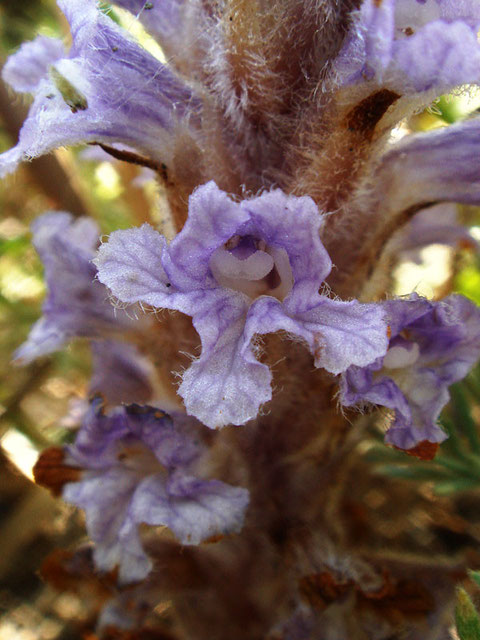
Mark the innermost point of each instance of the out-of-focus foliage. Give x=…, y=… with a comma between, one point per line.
x=466, y=617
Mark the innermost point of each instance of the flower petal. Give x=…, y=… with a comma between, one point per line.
x=426, y=398
x=133, y=465
x=213, y=218
x=130, y=265
x=412, y=46
x=433, y=345
x=226, y=385
x=45, y=337
x=26, y=68
x=193, y=509
x=76, y=305
x=338, y=334
x=108, y=90
x=449, y=338
x=440, y=56
x=106, y=497
x=292, y=223
x=440, y=166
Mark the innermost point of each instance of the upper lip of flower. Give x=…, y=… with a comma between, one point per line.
x=255, y=269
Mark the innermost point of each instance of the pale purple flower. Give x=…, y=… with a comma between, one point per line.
x=413, y=45
x=241, y=269
x=435, y=225
x=136, y=465
x=107, y=89
x=26, y=69
x=432, y=345
x=164, y=19
x=76, y=304
x=120, y=373
x=439, y=166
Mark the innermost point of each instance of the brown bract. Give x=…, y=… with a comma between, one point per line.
x=51, y=472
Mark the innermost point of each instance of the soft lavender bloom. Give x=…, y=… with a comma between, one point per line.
x=109, y=89
x=25, y=70
x=163, y=19
x=136, y=467
x=76, y=304
x=440, y=166
x=241, y=269
x=413, y=45
x=436, y=225
x=432, y=345
x=120, y=373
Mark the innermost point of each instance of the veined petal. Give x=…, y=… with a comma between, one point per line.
x=440, y=166
x=132, y=466
x=440, y=56
x=120, y=373
x=337, y=333
x=226, y=385
x=449, y=338
x=108, y=90
x=379, y=27
x=358, y=387
x=426, y=399
x=402, y=312
x=292, y=223
x=213, y=218
x=162, y=18
x=412, y=46
x=193, y=509
x=76, y=304
x=130, y=265
x=25, y=69
x=433, y=344
x=106, y=497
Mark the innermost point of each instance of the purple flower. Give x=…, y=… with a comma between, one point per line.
x=241, y=269
x=76, y=304
x=120, y=374
x=413, y=45
x=439, y=166
x=432, y=345
x=435, y=225
x=166, y=21
x=134, y=466
x=106, y=89
x=25, y=70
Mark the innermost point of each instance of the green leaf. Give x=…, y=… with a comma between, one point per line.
x=416, y=472
x=463, y=416
x=466, y=617
x=454, y=486
x=475, y=576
